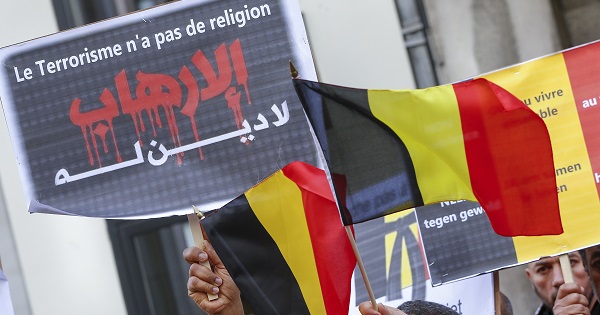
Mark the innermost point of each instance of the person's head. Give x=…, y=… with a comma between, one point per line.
x=591, y=261
x=418, y=307
x=505, y=305
x=546, y=276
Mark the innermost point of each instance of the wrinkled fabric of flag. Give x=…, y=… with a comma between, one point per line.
x=400, y=149
x=285, y=245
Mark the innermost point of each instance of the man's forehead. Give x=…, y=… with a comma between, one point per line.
x=553, y=260
x=544, y=261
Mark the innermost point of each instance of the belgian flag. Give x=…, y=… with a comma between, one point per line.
x=400, y=149
x=285, y=245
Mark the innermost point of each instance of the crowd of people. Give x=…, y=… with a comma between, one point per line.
x=545, y=275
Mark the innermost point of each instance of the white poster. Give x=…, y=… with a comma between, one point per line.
x=392, y=251
x=6, y=307
x=473, y=296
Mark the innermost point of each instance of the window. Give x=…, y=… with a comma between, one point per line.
x=577, y=21
x=151, y=268
x=73, y=13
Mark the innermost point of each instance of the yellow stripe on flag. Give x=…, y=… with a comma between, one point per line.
x=289, y=230
x=406, y=112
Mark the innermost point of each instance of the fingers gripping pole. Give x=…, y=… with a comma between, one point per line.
x=196, y=228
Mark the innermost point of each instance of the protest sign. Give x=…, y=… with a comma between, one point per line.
x=149, y=113
x=391, y=249
x=561, y=89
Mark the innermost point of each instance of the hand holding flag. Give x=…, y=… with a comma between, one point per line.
x=284, y=244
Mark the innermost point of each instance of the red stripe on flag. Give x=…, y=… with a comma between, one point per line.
x=583, y=66
x=333, y=253
x=510, y=161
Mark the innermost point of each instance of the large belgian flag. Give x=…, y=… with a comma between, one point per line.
x=406, y=148
x=285, y=245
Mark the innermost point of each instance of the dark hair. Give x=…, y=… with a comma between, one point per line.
x=506, y=308
x=418, y=307
x=584, y=258
x=587, y=269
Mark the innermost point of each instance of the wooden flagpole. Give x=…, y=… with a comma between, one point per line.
x=497, y=296
x=361, y=267
x=195, y=226
x=565, y=266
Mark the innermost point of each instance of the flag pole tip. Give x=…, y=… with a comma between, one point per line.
x=293, y=71
x=198, y=212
